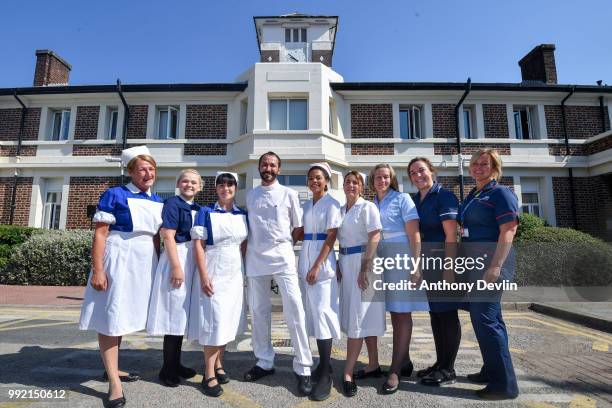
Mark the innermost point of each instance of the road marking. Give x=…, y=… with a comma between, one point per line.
x=31, y=326
x=539, y=405
x=13, y=322
x=572, y=329
x=558, y=398
x=582, y=401
x=236, y=399
x=600, y=346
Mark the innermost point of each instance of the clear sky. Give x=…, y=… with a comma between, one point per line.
x=213, y=41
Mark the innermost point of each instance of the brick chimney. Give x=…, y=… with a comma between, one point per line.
x=51, y=69
x=539, y=64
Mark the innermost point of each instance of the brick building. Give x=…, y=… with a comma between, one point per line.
x=59, y=143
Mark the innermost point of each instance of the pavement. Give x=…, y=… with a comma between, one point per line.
x=558, y=363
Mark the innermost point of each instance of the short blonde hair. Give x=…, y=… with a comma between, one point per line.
x=192, y=171
x=393, y=184
x=144, y=157
x=496, y=162
x=359, y=178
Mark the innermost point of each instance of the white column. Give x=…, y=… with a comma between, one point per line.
x=548, y=200
x=120, y=118
x=73, y=114
x=102, y=123
x=510, y=115
x=44, y=123
x=461, y=123
x=182, y=121
x=151, y=117
x=427, y=121
x=518, y=190
x=35, y=218
x=542, y=129
x=64, y=204
x=480, y=129
x=396, y=121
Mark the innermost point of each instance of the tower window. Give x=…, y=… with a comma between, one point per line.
x=288, y=114
x=295, y=35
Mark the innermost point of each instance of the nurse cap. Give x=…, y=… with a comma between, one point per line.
x=323, y=166
x=128, y=154
x=219, y=173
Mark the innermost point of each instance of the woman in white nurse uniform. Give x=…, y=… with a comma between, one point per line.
x=124, y=259
x=317, y=273
x=217, y=299
x=171, y=294
x=360, y=316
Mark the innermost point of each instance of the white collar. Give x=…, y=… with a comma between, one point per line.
x=271, y=186
x=190, y=202
x=218, y=207
x=136, y=190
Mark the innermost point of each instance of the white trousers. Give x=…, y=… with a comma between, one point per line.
x=261, y=320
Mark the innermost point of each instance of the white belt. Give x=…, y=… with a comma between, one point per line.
x=393, y=234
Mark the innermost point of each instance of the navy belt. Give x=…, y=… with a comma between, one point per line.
x=320, y=236
x=352, y=250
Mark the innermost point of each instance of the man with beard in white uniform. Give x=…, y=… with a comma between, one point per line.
x=275, y=221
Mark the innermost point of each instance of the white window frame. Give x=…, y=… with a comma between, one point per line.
x=468, y=123
x=244, y=113
x=301, y=37
x=171, y=111
x=531, y=207
x=64, y=125
x=333, y=121
x=518, y=123
x=52, y=210
x=414, y=127
x=112, y=111
x=288, y=113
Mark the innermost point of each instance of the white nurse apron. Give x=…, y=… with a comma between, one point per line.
x=217, y=320
x=129, y=262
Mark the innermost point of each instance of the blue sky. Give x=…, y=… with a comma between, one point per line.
x=214, y=41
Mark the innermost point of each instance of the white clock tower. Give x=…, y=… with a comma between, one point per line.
x=296, y=38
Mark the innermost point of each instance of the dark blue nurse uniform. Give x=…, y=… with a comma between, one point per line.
x=480, y=215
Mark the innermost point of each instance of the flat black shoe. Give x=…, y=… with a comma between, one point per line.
x=407, y=369
x=316, y=374
x=214, y=391
x=490, y=395
x=388, y=389
x=426, y=371
x=256, y=373
x=168, y=380
x=349, y=388
x=304, y=385
x=440, y=377
x=322, y=390
x=185, y=372
x=363, y=374
x=478, y=378
x=117, y=402
x=131, y=377
x=221, y=377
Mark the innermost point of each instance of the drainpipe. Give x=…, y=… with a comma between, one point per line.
x=567, y=155
x=468, y=88
x=126, y=118
x=24, y=111
x=602, y=109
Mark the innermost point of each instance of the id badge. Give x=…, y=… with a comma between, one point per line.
x=465, y=233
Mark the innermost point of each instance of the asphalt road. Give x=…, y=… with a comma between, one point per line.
x=558, y=365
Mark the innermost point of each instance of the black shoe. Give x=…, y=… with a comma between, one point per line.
x=322, y=390
x=131, y=377
x=316, y=374
x=304, y=384
x=388, y=388
x=478, y=378
x=427, y=371
x=490, y=395
x=363, y=374
x=117, y=402
x=185, y=372
x=168, y=380
x=440, y=377
x=349, y=388
x=407, y=369
x=221, y=377
x=256, y=373
x=213, y=391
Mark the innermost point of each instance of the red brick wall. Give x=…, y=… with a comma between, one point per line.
x=96, y=150
x=443, y=120
x=24, y=194
x=9, y=124
x=7, y=151
x=558, y=149
x=205, y=149
x=86, y=125
x=372, y=148
x=85, y=191
x=206, y=122
x=371, y=120
x=208, y=195
x=137, y=124
x=50, y=71
x=593, y=213
x=600, y=145
x=582, y=121
x=470, y=148
x=495, y=121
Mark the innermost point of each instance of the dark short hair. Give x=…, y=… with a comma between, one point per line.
x=269, y=154
x=226, y=178
x=327, y=177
